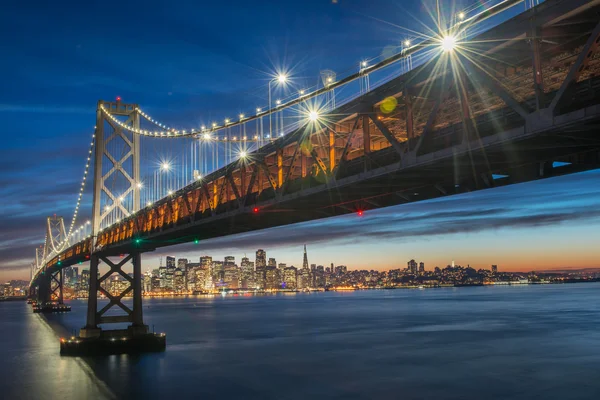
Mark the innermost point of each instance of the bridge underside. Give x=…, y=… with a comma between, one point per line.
x=447, y=172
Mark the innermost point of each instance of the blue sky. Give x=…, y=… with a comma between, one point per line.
x=188, y=61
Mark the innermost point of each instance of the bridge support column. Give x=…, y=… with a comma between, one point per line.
x=56, y=293
x=91, y=328
x=43, y=292
x=50, y=294
x=134, y=315
x=137, y=319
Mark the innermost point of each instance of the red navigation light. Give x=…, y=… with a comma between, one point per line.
x=118, y=98
x=255, y=210
x=121, y=255
x=87, y=256
x=360, y=213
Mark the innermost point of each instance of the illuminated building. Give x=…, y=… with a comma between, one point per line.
x=272, y=263
x=305, y=259
x=247, y=273
x=412, y=267
x=231, y=275
x=421, y=267
x=272, y=278
x=319, y=277
x=207, y=263
x=289, y=277
x=84, y=282
x=162, y=275
x=147, y=283
x=494, y=269
x=260, y=277
x=170, y=262
x=155, y=283
x=190, y=275
x=203, y=281
x=303, y=280
x=178, y=280
x=217, y=272
x=340, y=269
x=261, y=258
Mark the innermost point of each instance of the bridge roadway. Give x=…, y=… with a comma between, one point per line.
x=508, y=104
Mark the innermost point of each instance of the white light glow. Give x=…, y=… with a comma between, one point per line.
x=282, y=78
x=165, y=166
x=313, y=116
x=242, y=154
x=461, y=16
x=448, y=43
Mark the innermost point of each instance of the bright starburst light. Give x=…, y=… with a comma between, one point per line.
x=448, y=43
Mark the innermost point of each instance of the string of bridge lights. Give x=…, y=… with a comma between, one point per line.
x=203, y=133
x=81, y=189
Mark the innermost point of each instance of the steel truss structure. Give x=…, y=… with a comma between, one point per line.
x=110, y=162
x=133, y=315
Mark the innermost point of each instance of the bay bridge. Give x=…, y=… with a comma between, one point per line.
x=459, y=111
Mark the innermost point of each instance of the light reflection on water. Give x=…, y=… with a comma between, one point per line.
x=466, y=343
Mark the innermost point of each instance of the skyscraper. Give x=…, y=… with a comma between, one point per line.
x=217, y=272
x=182, y=265
x=305, y=261
x=206, y=262
x=272, y=278
x=412, y=267
x=231, y=276
x=272, y=263
x=170, y=262
x=229, y=260
x=247, y=274
x=261, y=258
x=494, y=269
x=289, y=277
x=421, y=267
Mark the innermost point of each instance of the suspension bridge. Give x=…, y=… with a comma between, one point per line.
x=459, y=112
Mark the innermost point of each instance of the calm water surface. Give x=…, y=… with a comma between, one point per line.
x=457, y=343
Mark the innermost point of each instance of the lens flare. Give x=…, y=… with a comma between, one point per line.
x=448, y=43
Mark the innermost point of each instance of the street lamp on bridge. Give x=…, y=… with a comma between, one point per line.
x=281, y=79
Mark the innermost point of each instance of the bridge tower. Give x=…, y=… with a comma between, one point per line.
x=51, y=284
x=116, y=195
